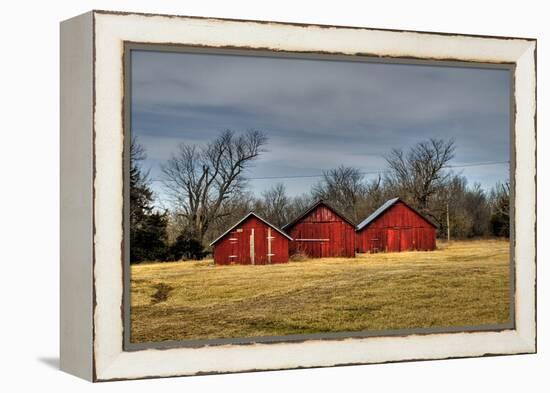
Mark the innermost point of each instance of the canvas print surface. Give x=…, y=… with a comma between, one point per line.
x=282, y=196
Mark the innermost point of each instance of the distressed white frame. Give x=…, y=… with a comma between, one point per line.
x=111, y=30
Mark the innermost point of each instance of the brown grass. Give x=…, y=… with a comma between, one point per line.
x=460, y=284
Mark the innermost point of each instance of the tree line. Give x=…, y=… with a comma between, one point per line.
x=208, y=191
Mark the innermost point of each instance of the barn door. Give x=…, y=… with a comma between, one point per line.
x=392, y=241
x=405, y=239
x=324, y=243
x=235, y=241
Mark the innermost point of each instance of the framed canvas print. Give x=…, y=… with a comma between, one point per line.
x=247, y=195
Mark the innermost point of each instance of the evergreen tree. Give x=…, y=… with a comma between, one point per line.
x=185, y=247
x=147, y=227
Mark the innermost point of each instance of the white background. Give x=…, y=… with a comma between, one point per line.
x=29, y=197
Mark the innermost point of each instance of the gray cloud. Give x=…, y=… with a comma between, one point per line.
x=317, y=113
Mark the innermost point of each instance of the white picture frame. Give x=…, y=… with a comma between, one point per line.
x=92, y=186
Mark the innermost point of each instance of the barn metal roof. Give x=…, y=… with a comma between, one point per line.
x=244, y=219
x=378, y=212
x=312, y=207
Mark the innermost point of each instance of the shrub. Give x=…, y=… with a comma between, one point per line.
x=185, y=247
x=298, y=257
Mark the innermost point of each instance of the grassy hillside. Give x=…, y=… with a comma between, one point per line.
x=462, y=283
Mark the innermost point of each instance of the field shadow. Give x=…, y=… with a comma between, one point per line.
x=52, y=362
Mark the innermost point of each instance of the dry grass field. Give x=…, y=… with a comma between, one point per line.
x=461, y=283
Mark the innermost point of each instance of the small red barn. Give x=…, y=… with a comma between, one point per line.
x=251, y=241
x=321, y=232
x=395, y=226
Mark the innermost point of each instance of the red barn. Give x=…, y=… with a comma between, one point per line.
x=321, y=232
x=395, y=226
x=251, y=241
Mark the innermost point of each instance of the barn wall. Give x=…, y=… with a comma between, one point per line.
x=397, y=229
x=329, y=235
x=237, y=243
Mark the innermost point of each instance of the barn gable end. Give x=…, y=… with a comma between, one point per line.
x=321, y=231
x=251, y=241
x=395, y=226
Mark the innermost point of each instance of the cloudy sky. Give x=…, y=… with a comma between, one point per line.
x=319, y=114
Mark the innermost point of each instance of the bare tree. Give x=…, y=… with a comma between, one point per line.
x=298, y=204
x=421, y=171
x=376, y=193
x=274, y=205
x=447, y=207
x=501, y=199
x=344, y=187
x=201, y=178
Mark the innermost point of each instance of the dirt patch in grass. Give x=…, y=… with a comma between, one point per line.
x=161, y=294
x=460, y=284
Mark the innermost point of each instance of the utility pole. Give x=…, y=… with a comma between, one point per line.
x=448, y=223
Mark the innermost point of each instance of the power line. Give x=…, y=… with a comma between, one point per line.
x=306, y=176
x=478, y=164
x=368, y=172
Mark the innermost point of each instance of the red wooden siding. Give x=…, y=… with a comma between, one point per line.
x=399, y=228
x=322, y=233
x=235, y=246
